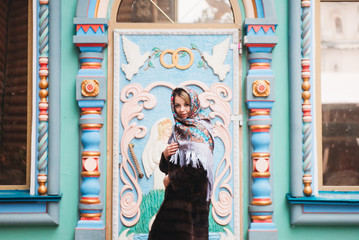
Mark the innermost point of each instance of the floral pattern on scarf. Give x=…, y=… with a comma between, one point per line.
x=191, y=128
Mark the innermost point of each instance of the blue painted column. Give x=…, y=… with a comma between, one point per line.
x=260, y=41
x=91, y=90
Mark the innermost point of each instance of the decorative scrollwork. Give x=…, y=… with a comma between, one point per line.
x=217, y=98
x=135, y=99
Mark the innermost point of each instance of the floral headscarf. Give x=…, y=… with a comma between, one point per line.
x=192, y=128
x=194, y=136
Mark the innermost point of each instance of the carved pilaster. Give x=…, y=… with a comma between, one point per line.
x=43, y=94
x=90, y=93
x=306, y=105
x=260, y=41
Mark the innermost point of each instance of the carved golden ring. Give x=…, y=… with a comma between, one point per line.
x=90, y=201
x=163, y=62
x=259, y=127
x=262, y=203
x=261, y=217
x=175, y=58
x=91, y=125
x=90, y=153
x=260, y=174
x=90, y=215
x=257, y=154
x=90, y=174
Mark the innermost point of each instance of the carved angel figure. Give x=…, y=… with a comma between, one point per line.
x=156, y=144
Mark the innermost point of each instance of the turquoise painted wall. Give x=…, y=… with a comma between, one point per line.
x=70, y=147
x=281, y=151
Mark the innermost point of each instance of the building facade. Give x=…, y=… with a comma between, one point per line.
x=85, y=115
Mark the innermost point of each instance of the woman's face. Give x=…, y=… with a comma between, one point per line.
x=182, y=108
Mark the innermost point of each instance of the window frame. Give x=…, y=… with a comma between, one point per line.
x=25, y=199
x=31, y=120
x=319, y=207
x=172, y=22
x=318, y=103
x=236, y=23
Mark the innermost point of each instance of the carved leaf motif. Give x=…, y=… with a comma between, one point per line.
x=194, y=46
x=200, y=64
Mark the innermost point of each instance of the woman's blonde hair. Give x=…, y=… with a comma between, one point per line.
x=182, y=94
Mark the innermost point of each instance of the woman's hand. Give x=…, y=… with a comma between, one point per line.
x=170, y=150
x=166, y=181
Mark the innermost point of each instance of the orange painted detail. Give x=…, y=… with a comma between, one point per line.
x=260, y=130
x=87, y=200
x=90, y=109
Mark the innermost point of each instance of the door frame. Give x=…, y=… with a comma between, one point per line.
x=112, y=176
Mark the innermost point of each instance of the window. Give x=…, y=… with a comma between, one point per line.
x=23, y=111
x=338, y=25
x=15, y=104
x=178, y=11
x=324, y=159
x=339, y=168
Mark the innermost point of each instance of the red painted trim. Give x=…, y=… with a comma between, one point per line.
x=90, y=67
x=90, y=219
x=89, y=109
x=260, y=130
x=260, y=44
x=90, y=44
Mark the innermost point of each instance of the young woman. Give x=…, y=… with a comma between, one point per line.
x=188, y=163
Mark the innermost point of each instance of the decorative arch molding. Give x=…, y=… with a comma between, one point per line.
x=99, y=8
x=91, y=21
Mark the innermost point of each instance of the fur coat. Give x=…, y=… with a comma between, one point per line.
x=183, y=214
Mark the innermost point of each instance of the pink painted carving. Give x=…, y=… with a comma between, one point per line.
x=131, y=95
x=217, y=98
x=135, y=99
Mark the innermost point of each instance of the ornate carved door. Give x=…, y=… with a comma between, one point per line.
x=148, y=64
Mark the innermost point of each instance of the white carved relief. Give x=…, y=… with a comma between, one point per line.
x=134, y=58
x=157, y=142
x=216, y=60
